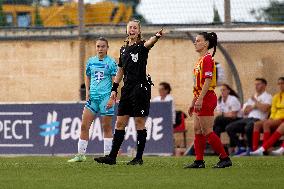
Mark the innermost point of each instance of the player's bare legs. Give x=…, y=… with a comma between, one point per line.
x=87, y=119
x=267, y=144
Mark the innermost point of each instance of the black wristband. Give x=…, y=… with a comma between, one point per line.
x=114, y=87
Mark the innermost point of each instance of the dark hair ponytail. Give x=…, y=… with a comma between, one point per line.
x=213, y=42
x=232, y=92
x=212, y=39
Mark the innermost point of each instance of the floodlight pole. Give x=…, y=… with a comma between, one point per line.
x=81, y=35
x=227, y=13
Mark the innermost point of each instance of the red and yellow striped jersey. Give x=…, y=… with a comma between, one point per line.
x=204, y=68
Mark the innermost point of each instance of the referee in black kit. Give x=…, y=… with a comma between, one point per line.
x=136, y=92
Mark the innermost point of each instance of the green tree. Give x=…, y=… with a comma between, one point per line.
x=216, y=18
x=2, y=15
x=38, y=20
x=274, y=12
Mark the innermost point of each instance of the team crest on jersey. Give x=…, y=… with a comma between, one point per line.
x=134, y=57
x=210, y=74
x=99, y=75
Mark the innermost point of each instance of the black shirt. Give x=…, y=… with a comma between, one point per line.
x=133, y=60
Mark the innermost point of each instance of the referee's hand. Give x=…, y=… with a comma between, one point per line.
x=160, y=33
x=112, y=100
x=113, y=95
x=110, y=104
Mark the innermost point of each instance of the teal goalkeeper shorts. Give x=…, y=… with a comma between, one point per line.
x=99, y=106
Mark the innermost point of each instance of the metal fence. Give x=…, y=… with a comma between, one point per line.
x=212, y=11
x=59, y=13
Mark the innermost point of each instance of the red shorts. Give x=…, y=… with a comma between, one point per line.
x=209, y=104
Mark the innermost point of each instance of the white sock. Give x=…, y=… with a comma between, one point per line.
x=279, y=150
x=261, y=149
x=107, y=145
x=82, y=146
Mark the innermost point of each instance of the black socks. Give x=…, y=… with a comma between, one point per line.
x=118, y=138
x=141, y=141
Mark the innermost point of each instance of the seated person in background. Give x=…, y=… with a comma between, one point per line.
x=164, y=91
x=228, y=109
x=256, y=108
x=276, y=118
x=270, y=141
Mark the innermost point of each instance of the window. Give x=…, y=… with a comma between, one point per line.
x=23, y=19
x=9, y=19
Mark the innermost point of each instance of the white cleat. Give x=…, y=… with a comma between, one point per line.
x=258, y=152
x=278, y=152
x=77, y=158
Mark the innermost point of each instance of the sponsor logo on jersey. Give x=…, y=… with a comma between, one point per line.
x=99, y=75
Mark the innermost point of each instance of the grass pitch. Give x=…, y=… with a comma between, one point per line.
x=157, y=172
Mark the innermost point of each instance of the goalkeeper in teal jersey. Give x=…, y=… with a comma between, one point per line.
x=100, y=72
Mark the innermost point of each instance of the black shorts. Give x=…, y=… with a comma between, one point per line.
x=135, y=101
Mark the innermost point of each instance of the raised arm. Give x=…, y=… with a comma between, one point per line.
x=151, y=42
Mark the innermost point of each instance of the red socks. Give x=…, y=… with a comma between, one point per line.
x=199, y=146
x=255, y=140
x=282, y=144
x=214, y=141
x=266, y=136
x=216, y=144
x=276, y=135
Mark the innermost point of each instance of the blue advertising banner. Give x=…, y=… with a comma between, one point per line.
x=55, y=129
